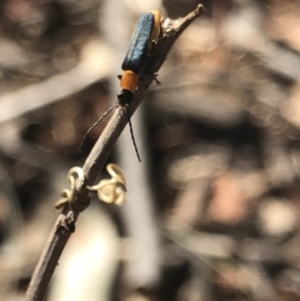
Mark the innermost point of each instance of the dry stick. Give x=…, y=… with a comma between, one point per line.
x=65, y=224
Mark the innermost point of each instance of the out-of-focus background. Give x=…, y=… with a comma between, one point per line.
x=212, y=211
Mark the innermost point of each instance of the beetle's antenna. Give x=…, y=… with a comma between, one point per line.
x=132, y=136
x=95, y=124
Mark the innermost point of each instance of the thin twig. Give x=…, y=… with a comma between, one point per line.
x=65, y=224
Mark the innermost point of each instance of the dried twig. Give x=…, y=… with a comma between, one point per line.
x=65, y=224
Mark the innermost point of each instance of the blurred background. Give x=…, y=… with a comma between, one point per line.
x=212, y=211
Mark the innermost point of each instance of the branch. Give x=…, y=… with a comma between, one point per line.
x=65, y=224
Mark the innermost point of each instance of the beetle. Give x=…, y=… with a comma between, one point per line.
x=142, y=42
x=146, y=32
